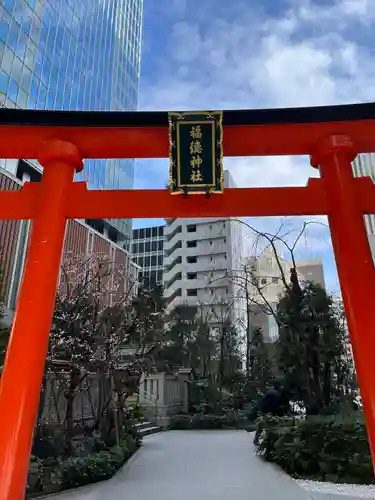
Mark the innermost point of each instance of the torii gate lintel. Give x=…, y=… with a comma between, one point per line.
x=57, y=197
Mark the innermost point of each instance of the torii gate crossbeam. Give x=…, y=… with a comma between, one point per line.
x=331, y=136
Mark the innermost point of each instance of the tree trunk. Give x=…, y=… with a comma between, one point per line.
x=248, y=327
x=221, y=362
x=69, y=412
x=327, y=384
x=42, y=402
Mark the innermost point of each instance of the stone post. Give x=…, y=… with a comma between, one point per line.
x=183, y=375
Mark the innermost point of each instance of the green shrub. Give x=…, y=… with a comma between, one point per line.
x=230, y=420
x=78, y=471
x=95, y=467
x=324, y=448
x=95, y=462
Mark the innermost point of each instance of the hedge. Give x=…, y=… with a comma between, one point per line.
x=95, y=467
x=331, y=449
x=52, y=476
x=202, y=421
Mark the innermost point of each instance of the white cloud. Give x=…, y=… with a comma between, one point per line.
x=307, y=55
x=301, y=58
x=257, y=61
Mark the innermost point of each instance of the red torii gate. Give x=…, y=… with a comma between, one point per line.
x=332, y=136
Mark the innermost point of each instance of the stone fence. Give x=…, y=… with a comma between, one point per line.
x=162, y=395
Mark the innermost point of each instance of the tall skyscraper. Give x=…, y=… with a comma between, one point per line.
x=73, y=55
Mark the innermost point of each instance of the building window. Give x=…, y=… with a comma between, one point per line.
x=160, y=276
x=191, y=259
x=275, y=279
x=134, y=248
x=141, y=233
x=154, y=232
x=141, y=248
x=148, y=232
x=160, y=245
x=154, y=246
x=191, y=276
x=191, y=244
x=153, y=260
x=160, y=260
x=264, y=281
x=148, y=246
x=192, y=228
x=192, y=292
x=161, y=230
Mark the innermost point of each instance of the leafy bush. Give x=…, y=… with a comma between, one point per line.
x=230, y=420
x=95, y=462
x=135, y=412
x=48, y=442
x=325, y=448
x=251, y=411
x=205, y=397
x=95, y=467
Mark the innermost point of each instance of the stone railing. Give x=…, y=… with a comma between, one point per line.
x=162, y=395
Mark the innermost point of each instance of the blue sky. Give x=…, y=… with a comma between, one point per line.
x=214, y=54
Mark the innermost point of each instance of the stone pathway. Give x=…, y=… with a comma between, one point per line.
x=195, y=465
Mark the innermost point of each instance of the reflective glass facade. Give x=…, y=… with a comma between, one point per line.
x=74, y=55
x=148, y=252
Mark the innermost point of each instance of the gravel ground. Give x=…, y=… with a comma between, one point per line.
x=352, y=490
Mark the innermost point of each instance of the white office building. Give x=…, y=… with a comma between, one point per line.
x=199, y=254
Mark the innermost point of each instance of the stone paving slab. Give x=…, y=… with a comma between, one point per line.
x=195, y=465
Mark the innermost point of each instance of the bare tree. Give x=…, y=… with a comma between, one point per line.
x=97, y=318
x=308, y=323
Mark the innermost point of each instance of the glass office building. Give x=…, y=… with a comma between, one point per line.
x=148, y=253
x=74, y=55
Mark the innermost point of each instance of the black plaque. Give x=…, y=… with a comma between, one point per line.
x=196, y=152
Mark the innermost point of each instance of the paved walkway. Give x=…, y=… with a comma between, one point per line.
x=195, y=465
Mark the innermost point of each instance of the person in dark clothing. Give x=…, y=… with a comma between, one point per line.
x=275, y=402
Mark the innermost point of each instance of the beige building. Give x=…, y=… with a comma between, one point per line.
x=265, y=277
